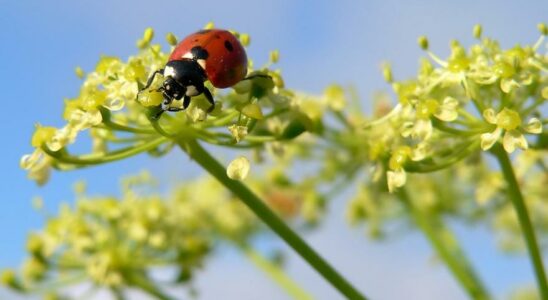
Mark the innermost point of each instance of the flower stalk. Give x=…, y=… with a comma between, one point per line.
x=520, y=208
x=211, y=165
x=276, y=274
x=447, y=248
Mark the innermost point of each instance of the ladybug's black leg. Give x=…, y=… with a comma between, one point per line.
x=186, y=101
x=209, y=98
x=166, y=104
x=151, y=79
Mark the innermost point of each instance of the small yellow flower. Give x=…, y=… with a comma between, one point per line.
x=509, y=122
x=238, y=132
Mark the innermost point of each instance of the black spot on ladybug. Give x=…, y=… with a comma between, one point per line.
x=228, y=46
x=196, y=40
x=203, y=31
x=199, y=53
x=217, y=36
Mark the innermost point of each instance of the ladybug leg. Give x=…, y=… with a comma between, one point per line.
x=151, y=79
x=166, y=104
x=209, y=98
x=186, y=101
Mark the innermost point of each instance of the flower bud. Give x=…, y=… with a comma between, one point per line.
x=9, y=279
x=423, y=42
x=477, y=31
x=274, y=56
x=387, y=72
x=238, y=168
x=209, y=25
x=245, y=39
x=542, y=28
x=171, y=39
x=79, y=72
x=253, y=110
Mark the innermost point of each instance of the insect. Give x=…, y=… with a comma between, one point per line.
x=213, y=54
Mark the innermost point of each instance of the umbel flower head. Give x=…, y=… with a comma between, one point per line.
x=121, y=120
x=475, y=98
x=115, y=242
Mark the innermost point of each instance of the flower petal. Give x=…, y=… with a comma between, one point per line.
x=30, y=160
x=238, y=168
x=419, y=152
x=448, y=110
x=489, y=139
x=406, y=129
x=396, y=179
x=508, y=84
x=422, y=129
x=490, y=116
x=513, y=138
x=533, y=126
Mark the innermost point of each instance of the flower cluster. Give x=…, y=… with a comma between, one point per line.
x=467, y=102
x=121, y=242
x=118, y=242
x=121, y=121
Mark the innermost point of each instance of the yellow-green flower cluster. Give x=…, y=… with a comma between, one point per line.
x=115, y=243
x=463, y=103
x=121, y=120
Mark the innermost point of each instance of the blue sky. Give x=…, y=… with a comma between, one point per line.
x=320, y=42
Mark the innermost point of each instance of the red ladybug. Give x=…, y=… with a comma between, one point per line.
x=214, y=54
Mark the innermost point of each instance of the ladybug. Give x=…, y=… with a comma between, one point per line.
x=212, y=54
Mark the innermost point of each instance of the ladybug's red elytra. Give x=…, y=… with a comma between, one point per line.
x=212, y=54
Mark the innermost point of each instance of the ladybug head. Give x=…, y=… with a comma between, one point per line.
x=183, y=78
x=173, y=89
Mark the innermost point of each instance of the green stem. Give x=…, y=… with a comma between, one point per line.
x=459, y=154
x=523, y=216
x=275, y=273
x=446, y=246
x=100, y=158
x=210, y=164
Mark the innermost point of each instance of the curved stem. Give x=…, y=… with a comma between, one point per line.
x=518, y=202
x=210, y=164
x=446, y=246
x=107, y=121
x=275, y=273
x=94, y=159
x=459, y=154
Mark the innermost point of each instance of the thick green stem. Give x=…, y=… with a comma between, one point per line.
x=523, y=216
x=276, y=274
x=210, y=164
x=446, y=246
